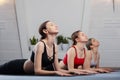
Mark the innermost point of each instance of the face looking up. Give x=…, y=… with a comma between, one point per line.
x=82, y=37
x=51, y=28
x=95, y=42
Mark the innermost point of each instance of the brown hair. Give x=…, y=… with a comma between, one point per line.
x=74, y=36
x=41, y=28
x=89, y=43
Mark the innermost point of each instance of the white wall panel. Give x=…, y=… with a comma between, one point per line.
x=105, y=26
x=9, y=37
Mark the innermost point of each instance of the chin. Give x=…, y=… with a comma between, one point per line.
x=98, y=45
x=56, y=32
x=84, y=41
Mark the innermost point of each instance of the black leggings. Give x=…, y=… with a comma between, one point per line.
x=14, y=67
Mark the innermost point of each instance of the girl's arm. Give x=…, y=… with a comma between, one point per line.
x=56, y=64
x=88, y=58
x=70, y=59
x=98, y=61
x=87, y=63
x=102, y=69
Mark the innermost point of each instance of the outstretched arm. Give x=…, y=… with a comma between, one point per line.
x=56, y=64
x=87, y=62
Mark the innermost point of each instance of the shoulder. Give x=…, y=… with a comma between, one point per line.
x=39, y=46
x=88, y=53
x=55, y=45
x=71, y=51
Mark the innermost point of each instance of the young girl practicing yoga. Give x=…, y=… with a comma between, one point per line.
x=94, y=56
x=44, y=58
x=75, y=58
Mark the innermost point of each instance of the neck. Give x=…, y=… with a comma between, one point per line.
x=95, y=50
x=80, y=46
x=50, y=40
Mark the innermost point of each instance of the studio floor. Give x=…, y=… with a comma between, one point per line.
x=101, y=76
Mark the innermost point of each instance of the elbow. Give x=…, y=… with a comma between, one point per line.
x=37, y=72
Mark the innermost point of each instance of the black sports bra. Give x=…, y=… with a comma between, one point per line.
x=46, y=60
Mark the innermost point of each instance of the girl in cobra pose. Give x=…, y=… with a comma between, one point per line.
x=74, y=60
x=44, y=58
x=94, y=56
